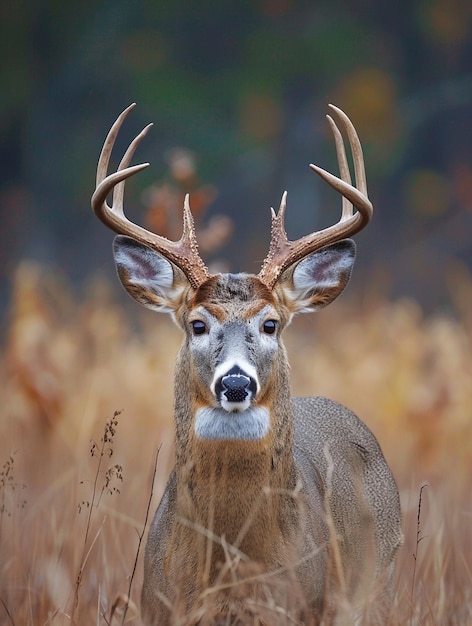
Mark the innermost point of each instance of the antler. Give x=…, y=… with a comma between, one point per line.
x=282, y=252
x=183, y=253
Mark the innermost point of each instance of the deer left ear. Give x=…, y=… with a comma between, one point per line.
x=319, y=278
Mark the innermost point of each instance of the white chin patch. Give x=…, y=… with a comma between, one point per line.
x=235, y=407
x=253, y=423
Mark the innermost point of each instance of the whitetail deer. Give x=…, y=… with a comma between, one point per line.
x=278, y=510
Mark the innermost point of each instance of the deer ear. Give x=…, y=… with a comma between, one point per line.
x=148, y=277
x=319, y=278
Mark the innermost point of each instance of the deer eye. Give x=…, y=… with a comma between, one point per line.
x=198, y=327
x=269, y=327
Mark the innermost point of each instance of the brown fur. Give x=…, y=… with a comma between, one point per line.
x=232, y=505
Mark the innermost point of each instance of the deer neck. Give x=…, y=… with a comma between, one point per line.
x=237, y=488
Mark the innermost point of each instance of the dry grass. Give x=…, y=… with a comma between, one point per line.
x=70, y=521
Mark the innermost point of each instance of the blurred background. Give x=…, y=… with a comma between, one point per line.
x=238, y=92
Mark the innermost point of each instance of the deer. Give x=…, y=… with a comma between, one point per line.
x=278, y=510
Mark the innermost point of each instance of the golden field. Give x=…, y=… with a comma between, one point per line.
x=74, y=491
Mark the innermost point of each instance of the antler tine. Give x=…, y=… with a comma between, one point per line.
x=347, y=206
x=119, y=190
x=106, y=184
x=352, y=196
x=104, y=159
x=282, y=252
x=183, y=253
x=356, y=148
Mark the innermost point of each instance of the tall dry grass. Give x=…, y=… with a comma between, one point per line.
x=73, y=495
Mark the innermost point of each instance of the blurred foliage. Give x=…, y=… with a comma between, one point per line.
x=243, y=86
x=69, y=364
x=164, y=201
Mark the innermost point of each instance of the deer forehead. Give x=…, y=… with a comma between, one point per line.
x=233, y=297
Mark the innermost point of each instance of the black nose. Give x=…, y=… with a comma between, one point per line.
x=235, y=385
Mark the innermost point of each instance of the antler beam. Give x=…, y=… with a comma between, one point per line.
x=183, y=253
x=282, y=252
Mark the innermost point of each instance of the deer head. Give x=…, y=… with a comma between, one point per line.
x=234, y=376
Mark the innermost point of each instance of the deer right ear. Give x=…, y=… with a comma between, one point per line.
x=147, y=276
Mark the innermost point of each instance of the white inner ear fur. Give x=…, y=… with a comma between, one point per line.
x=324, y=272
x=147, y=276
x=321, y=270
x=145, y=268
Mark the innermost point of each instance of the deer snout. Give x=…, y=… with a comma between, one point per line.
x=235, y=389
